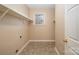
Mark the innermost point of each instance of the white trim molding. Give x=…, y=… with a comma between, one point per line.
x=23, y=47
x=57, y=51
x=42, y=40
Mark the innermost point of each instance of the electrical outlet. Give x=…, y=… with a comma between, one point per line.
x=20, y=37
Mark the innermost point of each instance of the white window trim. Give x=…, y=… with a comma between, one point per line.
x=35, y=16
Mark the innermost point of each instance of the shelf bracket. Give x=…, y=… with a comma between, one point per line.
x=1, y=17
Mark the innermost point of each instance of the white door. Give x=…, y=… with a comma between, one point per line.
x=71, y=29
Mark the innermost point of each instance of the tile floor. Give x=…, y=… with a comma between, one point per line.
x=39, y=48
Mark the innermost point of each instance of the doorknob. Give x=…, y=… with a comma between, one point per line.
x=65, y=40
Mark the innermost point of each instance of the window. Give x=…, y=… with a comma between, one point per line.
x=39, y=19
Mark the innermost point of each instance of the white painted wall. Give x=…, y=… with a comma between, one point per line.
x=44, y=31
x=59, y=27
x=11, y=28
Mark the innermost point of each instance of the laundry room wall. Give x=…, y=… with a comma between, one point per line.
x=13, y=32
x=59, y=27
x=43, y=31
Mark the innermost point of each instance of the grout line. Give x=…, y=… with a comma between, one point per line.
x=57, y=51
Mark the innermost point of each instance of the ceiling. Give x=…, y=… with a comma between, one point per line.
x=40, y=5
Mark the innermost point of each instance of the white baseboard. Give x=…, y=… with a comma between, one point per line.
x=57, y=51
x=23, y=47
x=42, y=40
